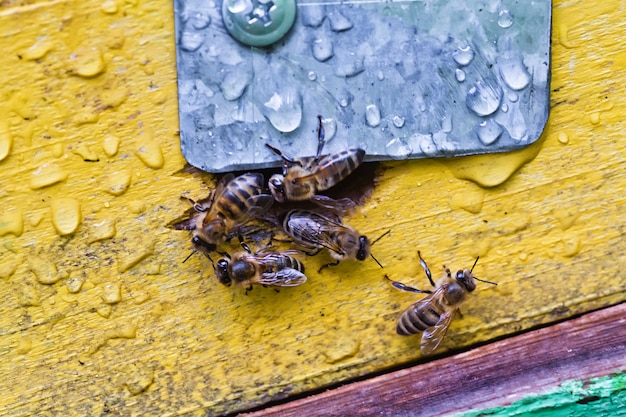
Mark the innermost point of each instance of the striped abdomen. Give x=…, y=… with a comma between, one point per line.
x=420, y=316
x=333, y=169
x=282, y=261
x=233, y=203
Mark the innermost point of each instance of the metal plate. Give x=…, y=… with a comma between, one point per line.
x=406, y=79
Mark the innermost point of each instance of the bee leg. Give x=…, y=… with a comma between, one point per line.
x=249, y=289
x=403, y=287
x=320, y=137
x=327, y=265
x=313, y=253
x=282, y=155
x=426, y=269
x=196, y=206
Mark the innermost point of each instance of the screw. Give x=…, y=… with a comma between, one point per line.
x=258, y=22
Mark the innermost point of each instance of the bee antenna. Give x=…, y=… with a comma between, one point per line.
x=380, y=237
x=488, y=282
x=475, y=262
x=379, y=264
x=189, y=256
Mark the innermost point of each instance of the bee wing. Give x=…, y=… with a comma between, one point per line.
x=321, y=235
x=432, y=337
x=286, y=277
x=185, y=222
x=259, y=204
x=338, y=207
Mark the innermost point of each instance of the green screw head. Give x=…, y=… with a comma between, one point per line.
x=258, y=22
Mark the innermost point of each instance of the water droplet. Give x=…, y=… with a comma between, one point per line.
x=112, y=293
x=488, y=131
x=339, y=23
x=563, y=138
x=426, y=144
x=45, y=271
x=111, y=145
x=74, y=284
x=344, y=102
x=397, y=148
x=348, y=65
x=284, y=109
x=483, y=98
x=88, y=62
x=235, y=82
x=103, y=230
x=312, y=75
x=6, y=139
x=460, y=75
x=46, y=175
x=463, y=56
x=66, y=215
x=380, y=75
x=200, y=20
x=505, y=19
x=512, y=96
x=322, y=47
x=313, y=15
x=505, y=107
x=150, y=153
x=117, y=182
x=191, y=41
x=372, y=115
x=446, y=124
x=398, y=121
x=109, y=7
x=330, y=128
x=11, y=222
x=514, y=73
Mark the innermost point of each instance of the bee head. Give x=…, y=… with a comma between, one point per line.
x=221, y=272
x=201, y=245
x=215, y=231
x=466, y=279
x=364, y=248
x=277, y=187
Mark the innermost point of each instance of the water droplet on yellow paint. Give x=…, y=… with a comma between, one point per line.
x=343, y=347
x=112, y=293
x=482, y=248
x=106, y=204
x=138, y=254
x=87, y=62
x=35, y=218
x=564, y=36
x=111, y=145
x=563, y=138
x=66, y=215
x=85, y=153
x=38, y=50
x=470, y=199
x=74, y=284
x=104, y=310
x=46, y=175
x=12, y=222
x=6, y=139
x=101, y=231
x=571, y=246
x=150, y=154
x=523, y=256
x=27, y=294
x=116, y=183
x=45, y=271
x=137, y=206
x=140, y=297
x=57, y=150
x=566, y=217
x=115, y=97
x=594, y=118
x=8, y=268
x=489, y=170
x=138, y=378
x=85, y=117
x=109, y=7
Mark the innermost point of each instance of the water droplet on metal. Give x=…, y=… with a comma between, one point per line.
x=514, y=73
x=463, y=56
x=200, y=20
x=398, y=121
x=348, y=65
x=322, y=47
x=505, y=107
x=235, y=82
x=380, y=75
x=483, y=98
x=397, y=148
x=446, y=124
x=312, y=75
x=460, y=75
x=488, y=131
x=512, y=96
x=191, y=41
x=339, y=23
x=284, y=109
x=372, y=115
x=505, y=19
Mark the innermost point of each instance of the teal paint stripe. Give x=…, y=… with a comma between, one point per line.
x=604, y=396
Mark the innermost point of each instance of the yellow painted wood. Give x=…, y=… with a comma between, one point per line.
x=99, y=314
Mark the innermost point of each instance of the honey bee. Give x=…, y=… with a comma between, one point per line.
x=276, y=269
x=433, y=314
x=314, y=231
x=303, y=177
x=217, y=218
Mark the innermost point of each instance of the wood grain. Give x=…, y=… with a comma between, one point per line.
x=496, y=374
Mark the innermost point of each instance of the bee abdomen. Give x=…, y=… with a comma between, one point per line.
x=343, y=163
x=416, y=319
x=233, y=203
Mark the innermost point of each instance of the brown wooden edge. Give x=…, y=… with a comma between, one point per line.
x=493, y=375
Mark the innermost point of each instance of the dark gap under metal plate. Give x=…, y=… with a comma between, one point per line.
x=405, y=79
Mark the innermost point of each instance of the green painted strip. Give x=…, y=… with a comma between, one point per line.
x=604, y=396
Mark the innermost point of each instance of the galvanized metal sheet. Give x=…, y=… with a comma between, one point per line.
x=402, y=79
